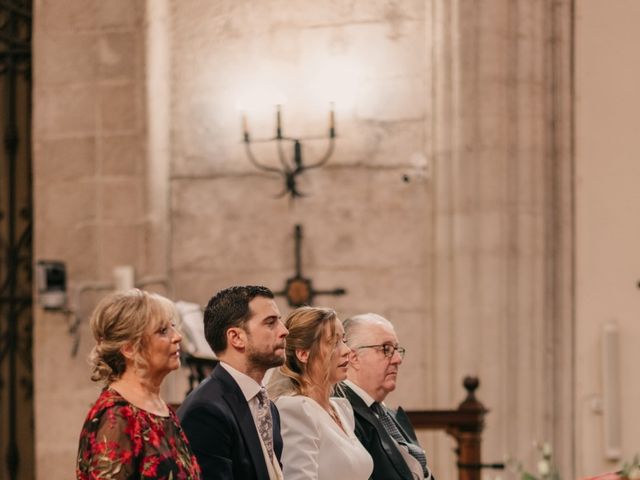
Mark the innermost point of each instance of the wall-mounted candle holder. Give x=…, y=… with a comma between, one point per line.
x=292, y=166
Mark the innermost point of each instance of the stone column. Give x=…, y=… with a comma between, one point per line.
x=92, y=210
x=502, y=225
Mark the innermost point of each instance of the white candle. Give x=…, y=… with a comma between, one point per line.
x=332, y=121
x=278, y=122
x=245, y=125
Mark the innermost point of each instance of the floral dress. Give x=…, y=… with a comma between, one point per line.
x=122, y=441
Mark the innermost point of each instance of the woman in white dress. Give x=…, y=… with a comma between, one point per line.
x=317, y=429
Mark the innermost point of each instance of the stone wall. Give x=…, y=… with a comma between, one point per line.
x=365, y=228
x=607, y=232
x=502, y=270
x=89, y=148
x=470, y=258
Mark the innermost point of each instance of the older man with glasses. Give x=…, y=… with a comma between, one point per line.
x=372, y=374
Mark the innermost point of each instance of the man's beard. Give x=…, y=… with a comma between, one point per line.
x=265, y=360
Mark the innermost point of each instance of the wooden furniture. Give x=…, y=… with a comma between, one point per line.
x=465, y=425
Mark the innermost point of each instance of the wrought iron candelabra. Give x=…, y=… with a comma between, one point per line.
x=293, y=166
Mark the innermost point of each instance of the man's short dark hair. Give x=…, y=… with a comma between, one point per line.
x=229, y=308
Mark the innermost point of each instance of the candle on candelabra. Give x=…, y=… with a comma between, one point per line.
x=332, y=122
x=245, y=126
x=278, y=122
x=291, y=166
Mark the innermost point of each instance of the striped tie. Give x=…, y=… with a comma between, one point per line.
x=392, y=429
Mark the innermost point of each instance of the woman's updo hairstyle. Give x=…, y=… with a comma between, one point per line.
x=312, y=329
x=119, y=319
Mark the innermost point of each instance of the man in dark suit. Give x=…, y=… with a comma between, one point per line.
x=233, y=428
x=373, y=369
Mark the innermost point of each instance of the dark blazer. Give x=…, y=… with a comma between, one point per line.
x=222, y=433
x=388, y=463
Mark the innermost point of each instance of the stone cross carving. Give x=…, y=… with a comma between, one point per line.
x=299, y=290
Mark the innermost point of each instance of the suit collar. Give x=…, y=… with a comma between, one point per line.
x=402, y=419
x=248, y=385
x=366, y=398
x=361, y=408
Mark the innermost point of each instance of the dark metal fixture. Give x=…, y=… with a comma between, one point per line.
x=290, y=167
x=299, y=290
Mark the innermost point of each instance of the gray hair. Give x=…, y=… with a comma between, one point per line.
x=356, y=327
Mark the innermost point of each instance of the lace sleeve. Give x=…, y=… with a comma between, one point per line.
x=107, y=445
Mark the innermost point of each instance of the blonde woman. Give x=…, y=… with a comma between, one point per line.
x=317, y=430
x=130, y=432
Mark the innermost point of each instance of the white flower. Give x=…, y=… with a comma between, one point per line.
x=634, y=474
x=544, y=468
x=546, y=450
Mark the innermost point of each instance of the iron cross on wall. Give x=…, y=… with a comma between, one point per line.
x=299, y=290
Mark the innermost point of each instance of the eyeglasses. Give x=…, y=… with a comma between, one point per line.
x=387, y=349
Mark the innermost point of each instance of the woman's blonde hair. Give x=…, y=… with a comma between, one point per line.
x=312, y=329
x=120, y=319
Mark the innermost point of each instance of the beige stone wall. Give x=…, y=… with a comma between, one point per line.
x=607, y=230
x=89, y=145
x=365, y=228
x=502, y=227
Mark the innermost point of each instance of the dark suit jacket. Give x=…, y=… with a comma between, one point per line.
x=388, y=463
x=222, y=433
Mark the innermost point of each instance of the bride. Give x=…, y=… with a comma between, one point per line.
x=317, y=429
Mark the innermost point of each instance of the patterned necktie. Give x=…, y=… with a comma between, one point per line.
x=265, y=423
x=392, y=429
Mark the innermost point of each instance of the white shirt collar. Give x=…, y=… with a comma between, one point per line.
x=248, y=385
x=368, y=399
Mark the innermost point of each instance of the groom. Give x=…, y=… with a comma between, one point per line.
x=233, y=428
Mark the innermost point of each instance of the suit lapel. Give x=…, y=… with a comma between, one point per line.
x=402, y=420
x=240, y=408
x=390, y=448
x=277, y=436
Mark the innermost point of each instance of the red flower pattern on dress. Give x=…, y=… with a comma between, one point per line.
x=121, y=441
